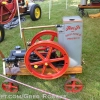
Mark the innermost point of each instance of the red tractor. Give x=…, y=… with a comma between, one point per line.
x=8, y=10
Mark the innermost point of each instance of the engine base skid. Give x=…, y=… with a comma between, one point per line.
x=24, y=71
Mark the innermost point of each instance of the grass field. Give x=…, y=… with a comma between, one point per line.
x=90, y=54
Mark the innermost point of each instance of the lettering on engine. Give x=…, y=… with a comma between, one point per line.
x=72, y=28
x=73, y=32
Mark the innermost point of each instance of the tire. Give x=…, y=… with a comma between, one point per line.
x=2, y=33
x=35, y=12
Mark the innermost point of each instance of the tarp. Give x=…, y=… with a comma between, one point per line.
x=14, y=22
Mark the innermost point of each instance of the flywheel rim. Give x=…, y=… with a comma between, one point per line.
x=47, y=61
x=39, y=35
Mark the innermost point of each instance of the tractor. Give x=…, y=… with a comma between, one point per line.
x=93, y=4
x=46, y=58
x=8, y=10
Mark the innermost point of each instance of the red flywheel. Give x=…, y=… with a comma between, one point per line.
x=49, y=63
x=44, y=35
x=7, y=10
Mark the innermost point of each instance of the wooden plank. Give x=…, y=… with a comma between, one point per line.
x=70, y=70
x=88, y=7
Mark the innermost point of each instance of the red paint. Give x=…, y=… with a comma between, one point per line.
x=73, y=38
x=9, y=87
x=73, y=85
x=41, y=34
x=51, y=46
x=73, y=34
x=72, y=28
x=7, y=12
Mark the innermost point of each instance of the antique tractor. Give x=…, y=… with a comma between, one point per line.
x=8, y=10
x=47, y=59
x=94, y=4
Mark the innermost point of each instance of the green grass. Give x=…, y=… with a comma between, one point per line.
x=90, y=53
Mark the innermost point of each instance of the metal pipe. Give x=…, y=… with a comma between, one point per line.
x=24, y=40
x=36, y=27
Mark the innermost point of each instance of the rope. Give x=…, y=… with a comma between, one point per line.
x=60, y=97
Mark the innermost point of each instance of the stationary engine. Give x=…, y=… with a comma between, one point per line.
x=49, y=59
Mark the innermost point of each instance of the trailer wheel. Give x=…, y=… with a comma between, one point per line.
x=73, y=85
x=35, y=12
x=2, y=33
x=10, y=86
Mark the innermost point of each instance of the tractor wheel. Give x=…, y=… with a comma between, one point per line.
x=2, y=33
x=35, y=12
x=46, y=60
x=44, y=35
